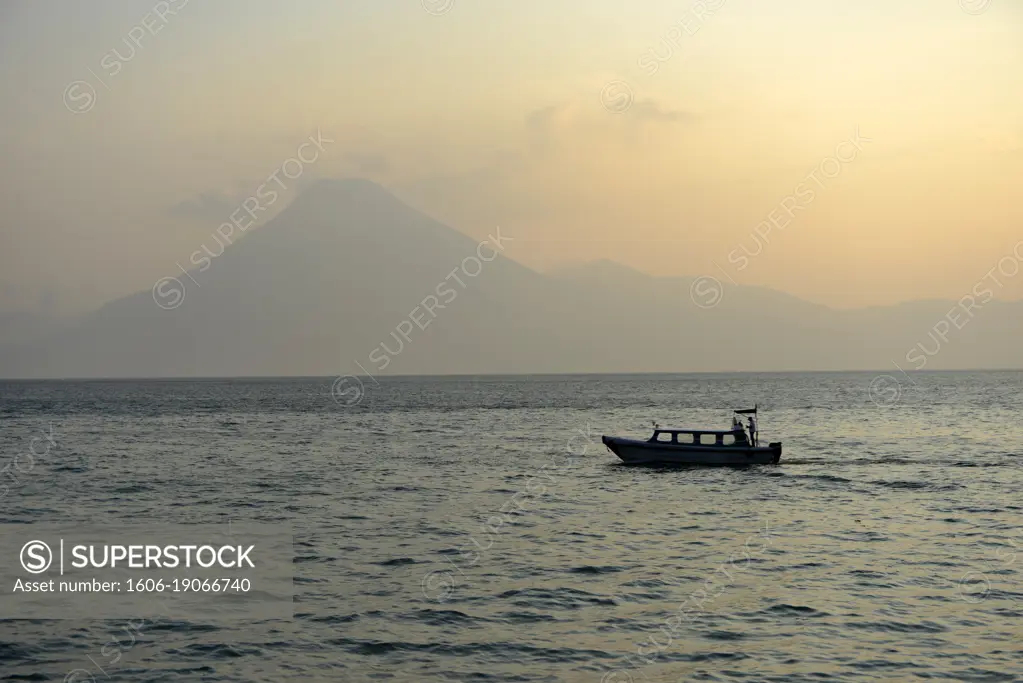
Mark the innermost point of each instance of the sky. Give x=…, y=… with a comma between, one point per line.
x=853, y=153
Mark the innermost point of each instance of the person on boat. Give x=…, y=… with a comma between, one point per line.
x=739, y=431
x=753, y=429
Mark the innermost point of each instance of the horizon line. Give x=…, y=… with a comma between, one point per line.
x=200, y=378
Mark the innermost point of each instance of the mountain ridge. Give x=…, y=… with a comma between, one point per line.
x=348, y=276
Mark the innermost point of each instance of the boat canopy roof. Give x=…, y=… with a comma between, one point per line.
x=679, y=430
x=673, y=430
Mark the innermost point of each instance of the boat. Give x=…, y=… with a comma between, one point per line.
x=668, y=446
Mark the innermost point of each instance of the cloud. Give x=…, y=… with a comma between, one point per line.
x=567, y=116
x=208, y=205
x=554, y=119
x=650, y=110
x=542, y=119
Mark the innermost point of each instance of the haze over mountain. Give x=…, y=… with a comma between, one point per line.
x=349, y=279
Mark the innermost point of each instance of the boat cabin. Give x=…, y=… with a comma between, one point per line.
x=700, y=437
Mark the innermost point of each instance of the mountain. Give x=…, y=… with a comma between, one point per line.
x=348, y=279
x=317, y=290
x=760, y=329
x=23, y=327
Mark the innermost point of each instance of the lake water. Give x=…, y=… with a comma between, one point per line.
x=474, y=529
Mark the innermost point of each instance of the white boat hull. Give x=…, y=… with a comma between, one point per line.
x=652, y=453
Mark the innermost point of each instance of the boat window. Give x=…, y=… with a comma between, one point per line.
x=664, y=436
x=728, y=440
x=708, y=439
x=685, y=438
